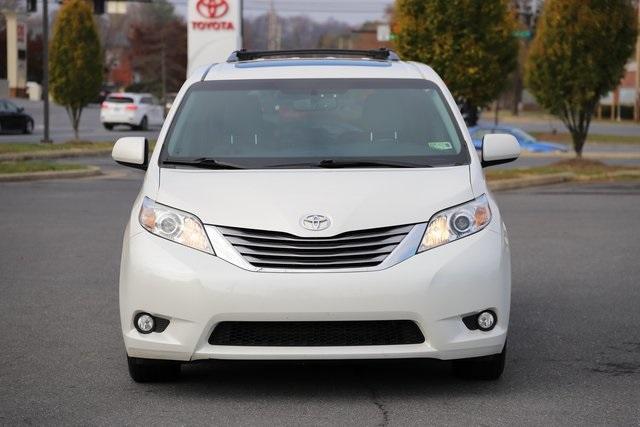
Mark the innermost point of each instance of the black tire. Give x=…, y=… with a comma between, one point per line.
x=481, y=368
x=28, y=127
x=144, y=124
x=152, y=370
x=108, y=126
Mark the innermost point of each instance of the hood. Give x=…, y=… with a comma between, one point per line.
x=277, y=200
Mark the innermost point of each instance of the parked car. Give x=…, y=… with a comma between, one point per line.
x=527, y=142
x=13, y=119
x=169, y=99
x=314, y=205
x=136, y=110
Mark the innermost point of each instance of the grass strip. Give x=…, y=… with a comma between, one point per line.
x=592, y=138
x=25, y=148
x=37, y=166
x=584, y=169
x=11, y=148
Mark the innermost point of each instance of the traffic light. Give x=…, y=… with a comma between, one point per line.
x=98, y=7
x=32, y=5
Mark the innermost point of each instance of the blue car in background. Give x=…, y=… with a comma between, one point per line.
x=527, y=142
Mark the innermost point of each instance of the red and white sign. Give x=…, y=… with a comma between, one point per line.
x=213, y=31
x=212, y=9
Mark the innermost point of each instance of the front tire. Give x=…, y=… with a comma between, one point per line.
x=481, y=368
x=144, y=124
x=108, y=126
x=28, y=127
x=152, y=370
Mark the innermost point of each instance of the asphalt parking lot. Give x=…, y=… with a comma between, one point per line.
x=574, y=346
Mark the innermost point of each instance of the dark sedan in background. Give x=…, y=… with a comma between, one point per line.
x=13, y=119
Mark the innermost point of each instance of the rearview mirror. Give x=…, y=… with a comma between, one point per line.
x=132, y=151
x=499, y=148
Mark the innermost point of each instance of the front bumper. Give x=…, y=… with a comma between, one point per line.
x=125, y=118
x=195, y=291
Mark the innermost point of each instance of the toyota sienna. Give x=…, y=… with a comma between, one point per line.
x=314, y=205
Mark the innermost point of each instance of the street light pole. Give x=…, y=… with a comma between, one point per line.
x=637, y=106
x=45, y=69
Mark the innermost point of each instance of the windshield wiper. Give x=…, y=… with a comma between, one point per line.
x=337, y=164
x=331, y=163
x=201, y=162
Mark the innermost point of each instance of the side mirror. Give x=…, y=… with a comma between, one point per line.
x=132, y=151
x=499, y=148
x=20, y=109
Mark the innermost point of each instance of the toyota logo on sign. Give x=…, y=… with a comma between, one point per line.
x=212, y=9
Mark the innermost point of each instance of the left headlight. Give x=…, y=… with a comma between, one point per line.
x=456, y=222
x=175, y=225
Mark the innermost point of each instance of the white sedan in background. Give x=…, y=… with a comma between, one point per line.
x=136, y=110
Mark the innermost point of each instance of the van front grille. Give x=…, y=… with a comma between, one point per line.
x=353, y=249
x=317, y=334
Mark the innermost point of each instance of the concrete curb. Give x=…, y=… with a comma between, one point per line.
x=34, y=176
x=532, y=181
x=61, y=154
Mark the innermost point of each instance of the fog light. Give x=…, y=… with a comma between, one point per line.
x=144, y=323
x=486, y=320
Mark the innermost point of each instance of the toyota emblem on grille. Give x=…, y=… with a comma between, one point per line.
x=315, y=222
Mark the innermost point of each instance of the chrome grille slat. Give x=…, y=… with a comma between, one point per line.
x=279, y=250
x=314, y=245
x=279, y=236
x=315, y=254
x=314, y=263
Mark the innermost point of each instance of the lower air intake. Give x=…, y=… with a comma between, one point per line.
x=316, y=334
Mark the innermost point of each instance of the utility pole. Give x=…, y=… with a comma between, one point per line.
x=163, y=67
x=525, y=10
x=274, y=34
x=636, y=110
x=45, y=69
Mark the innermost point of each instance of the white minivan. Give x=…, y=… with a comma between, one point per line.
x=318, y=204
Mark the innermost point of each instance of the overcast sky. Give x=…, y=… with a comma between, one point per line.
x=351, y=11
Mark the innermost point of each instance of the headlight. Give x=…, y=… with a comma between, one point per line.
x=455, y=223
x=172, y=224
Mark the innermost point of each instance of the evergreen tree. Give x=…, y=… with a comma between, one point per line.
x=75, y=59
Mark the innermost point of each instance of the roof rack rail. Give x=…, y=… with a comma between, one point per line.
x=248, y=55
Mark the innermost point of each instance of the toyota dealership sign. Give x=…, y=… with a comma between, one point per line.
x=215, y=30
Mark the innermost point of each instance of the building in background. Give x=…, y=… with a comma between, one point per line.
x=620, y=103
x=15, y=25
x=371, y=35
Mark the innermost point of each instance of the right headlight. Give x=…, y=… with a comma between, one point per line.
x=175, y=225
x=456, y=222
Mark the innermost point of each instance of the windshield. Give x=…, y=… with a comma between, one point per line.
x=305, y=122
x=119, y=99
